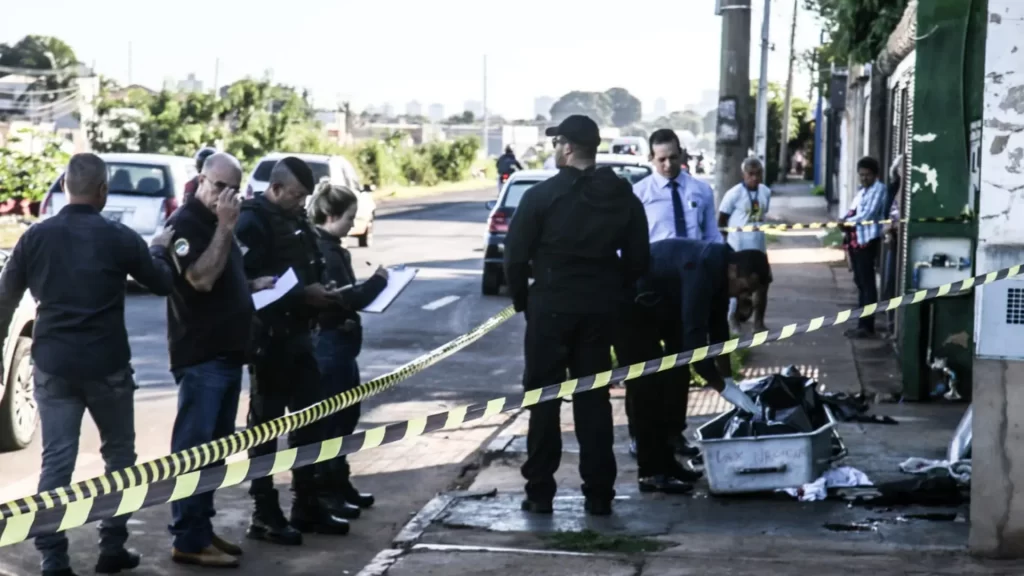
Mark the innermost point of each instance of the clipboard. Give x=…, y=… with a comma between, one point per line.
x=398, y=278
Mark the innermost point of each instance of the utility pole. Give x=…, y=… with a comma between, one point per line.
x=735, y=129
x=761, y=126
x=216, y=80
x=787, y=106
x=487, y=128
x=129, y=62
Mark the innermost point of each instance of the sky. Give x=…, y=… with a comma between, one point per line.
x=373, y=53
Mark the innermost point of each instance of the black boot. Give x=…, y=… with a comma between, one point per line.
x=309, y=515
x=115, y=563
x=355, y=497
x=268, y=523
x=338, y=505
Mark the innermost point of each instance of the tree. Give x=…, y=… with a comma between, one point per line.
x=626, y=108
x=467, y=117
x=858, y=29
x=688, y=120
x=800, y=131
x=42, y=53
x=710, y=121
x=29, y=176
x=596, y=105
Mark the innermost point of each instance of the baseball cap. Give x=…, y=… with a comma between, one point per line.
x=578, y=129
x=301, y=171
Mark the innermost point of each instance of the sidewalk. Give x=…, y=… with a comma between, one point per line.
x=482, y=530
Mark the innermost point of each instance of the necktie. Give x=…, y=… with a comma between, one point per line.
x=677, y=209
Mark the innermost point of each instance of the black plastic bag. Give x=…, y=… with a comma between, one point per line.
x=787, y=405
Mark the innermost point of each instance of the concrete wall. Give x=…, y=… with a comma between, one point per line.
x=997, y=488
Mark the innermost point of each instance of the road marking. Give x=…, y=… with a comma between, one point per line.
x=441, y=302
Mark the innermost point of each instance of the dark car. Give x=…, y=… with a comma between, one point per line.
x=512, y=192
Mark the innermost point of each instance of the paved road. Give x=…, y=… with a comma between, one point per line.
x=441, y=236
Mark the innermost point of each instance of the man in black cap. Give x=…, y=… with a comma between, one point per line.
x=570, y=230
x=276, y=237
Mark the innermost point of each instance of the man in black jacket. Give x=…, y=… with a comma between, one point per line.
x=76, y=266
x=570, y=230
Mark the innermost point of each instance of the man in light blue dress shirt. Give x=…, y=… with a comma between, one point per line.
x=656, y=194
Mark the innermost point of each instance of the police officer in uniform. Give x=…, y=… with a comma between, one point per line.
x=569, y=230
x=275, y=237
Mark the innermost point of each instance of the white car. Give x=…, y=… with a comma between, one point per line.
x=630, y=168
x=145, y=189
x=19, y=415
x=337, y=170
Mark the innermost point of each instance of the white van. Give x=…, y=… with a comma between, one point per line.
x=632, y=145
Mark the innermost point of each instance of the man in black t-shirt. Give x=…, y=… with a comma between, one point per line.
x=209, y=318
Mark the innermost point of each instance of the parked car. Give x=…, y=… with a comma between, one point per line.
x=337, y=170
x=145, y=189
x=630, y=168
x=19, y=415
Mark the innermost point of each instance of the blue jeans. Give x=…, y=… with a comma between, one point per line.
x=62, y=403
x=207, y=406
x=336, y=352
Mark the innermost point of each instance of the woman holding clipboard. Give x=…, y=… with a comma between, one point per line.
x=340, y=339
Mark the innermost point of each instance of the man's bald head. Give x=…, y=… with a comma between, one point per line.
x=86, y=176
x=221, y=171
x=291, y=181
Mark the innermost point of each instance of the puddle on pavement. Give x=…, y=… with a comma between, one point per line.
x=871, y=524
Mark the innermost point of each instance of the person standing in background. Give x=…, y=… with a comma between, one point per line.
x=340, y=339
x=192, y=185
x=209, y=321
x=863, y=239
x=76, y=265
x=746, y=204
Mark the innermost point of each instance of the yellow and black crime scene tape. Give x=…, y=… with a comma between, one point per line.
x=836, y=225
x=75, y=514
x=198, y=457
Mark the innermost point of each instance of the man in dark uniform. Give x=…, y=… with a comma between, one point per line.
x=569, y=230
x=209, y=319
x=275, y=237
x=701, y=277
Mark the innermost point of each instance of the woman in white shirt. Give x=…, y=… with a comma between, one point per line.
x=746, y=204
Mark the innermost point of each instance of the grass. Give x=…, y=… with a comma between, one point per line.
x=10, y=232
x=589, y=541
x=818, y=191
x=392, y=192
x=832, y=239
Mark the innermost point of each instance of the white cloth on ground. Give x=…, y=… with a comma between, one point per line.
x=959, y=471
x=842, y=477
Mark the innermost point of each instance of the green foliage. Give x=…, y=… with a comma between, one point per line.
x=387, y=162
x=800, y=129
x=613, y=107
x=41, y=53
x=29, y=176
x=688, y=120
x=858, y=29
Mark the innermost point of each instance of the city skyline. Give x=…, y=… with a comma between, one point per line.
x=447, y=69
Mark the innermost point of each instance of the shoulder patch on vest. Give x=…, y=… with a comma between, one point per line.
x=181, y=247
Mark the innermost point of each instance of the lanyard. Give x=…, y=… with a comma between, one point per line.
x=755, y=204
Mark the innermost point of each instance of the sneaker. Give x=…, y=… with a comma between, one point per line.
x=226, y=547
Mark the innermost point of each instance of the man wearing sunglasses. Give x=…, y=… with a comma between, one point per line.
x=209, y=318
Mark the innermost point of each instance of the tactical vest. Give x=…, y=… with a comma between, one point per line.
x=292, y=244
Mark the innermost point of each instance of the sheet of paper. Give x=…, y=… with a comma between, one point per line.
x=284, y=284
x=398, y=279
